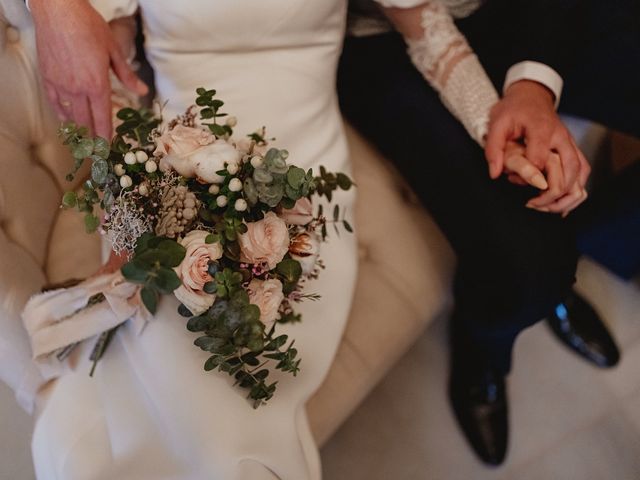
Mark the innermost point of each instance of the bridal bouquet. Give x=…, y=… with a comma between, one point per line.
x=226, y=225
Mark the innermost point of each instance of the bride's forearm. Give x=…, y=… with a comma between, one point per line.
x=441, y=53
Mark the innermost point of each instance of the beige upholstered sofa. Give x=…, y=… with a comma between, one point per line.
x=394, y=300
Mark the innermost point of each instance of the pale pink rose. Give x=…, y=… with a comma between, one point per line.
x=267, y=295
x=305, y=248
x=300, y=214
x=181, y=140
x=266, y=241
x=193, y=271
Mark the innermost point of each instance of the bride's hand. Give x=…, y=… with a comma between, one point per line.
x=522, y=172
x=76, y=48
x=519, y=169
x=114, y=263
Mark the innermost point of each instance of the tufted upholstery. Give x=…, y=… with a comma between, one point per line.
x=398, y=292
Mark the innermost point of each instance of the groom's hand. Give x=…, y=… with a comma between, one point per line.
x=527, y=113
x=75, y=51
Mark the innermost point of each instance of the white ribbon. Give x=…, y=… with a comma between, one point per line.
x=59, y=318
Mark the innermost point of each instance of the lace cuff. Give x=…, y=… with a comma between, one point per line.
x=447, y=62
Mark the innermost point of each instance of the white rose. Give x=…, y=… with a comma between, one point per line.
x=193, y=271
x=213, y=158
x=193, y=152
x=267, y=295
x=305, y=248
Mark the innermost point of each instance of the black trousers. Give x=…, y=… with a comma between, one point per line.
x=514, y=264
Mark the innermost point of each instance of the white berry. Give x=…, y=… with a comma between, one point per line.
x=130, y=158
x=256, y=162
x=141, y=156
x=232, y=121
x=214, y=189
x=221, y=201
x=240, y=205
x=150, y=166
x=232, y=168
x=143, y=189
x=119, y=169
x=235, y=185
x=125, y=181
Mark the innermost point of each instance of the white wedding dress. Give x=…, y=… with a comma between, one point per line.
x=150, y=411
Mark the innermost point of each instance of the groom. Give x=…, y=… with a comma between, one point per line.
x=516, y=266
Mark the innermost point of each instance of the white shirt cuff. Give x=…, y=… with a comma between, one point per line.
x=537, y=72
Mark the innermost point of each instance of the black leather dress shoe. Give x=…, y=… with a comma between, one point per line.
x=580, y=328
x=479, y=402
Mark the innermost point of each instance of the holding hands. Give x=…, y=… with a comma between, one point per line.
x=527, y=139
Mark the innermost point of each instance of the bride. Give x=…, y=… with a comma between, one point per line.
x=150, y=412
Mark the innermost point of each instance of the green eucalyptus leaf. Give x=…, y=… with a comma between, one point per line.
x=262, y=175
x=69, y=200
x=290, y=269
x=126, y=113
x=217, y=130
x=206, y=113
x=276, y=343
x=91, y=222
x=198, y=324
x=83, y=148
x=295, y=177
x=142, y=243
x=344, y=182
x=174, y=252
x=213, y=362
x=134, y=273
x=255, y=344
x=210, y=344
x=210, y=287
x=251, y=313
x=270, y=194
x=166, y=280
x=149, y=299
x=183, y=311
x=250, y=192
x=212, y=238
x=101, y=148
x=240, y=298
x=99, y=170
x=288, y=203
x=291, y=194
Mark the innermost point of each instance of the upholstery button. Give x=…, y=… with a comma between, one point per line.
x=13, y=34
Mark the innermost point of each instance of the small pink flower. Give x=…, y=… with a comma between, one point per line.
x=300, y=214
x=193, y=271
x=266, y=240
x=267, y=295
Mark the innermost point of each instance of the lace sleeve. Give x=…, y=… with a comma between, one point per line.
x=447, y=62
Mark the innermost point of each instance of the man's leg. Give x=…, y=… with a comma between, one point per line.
x=514, y=264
